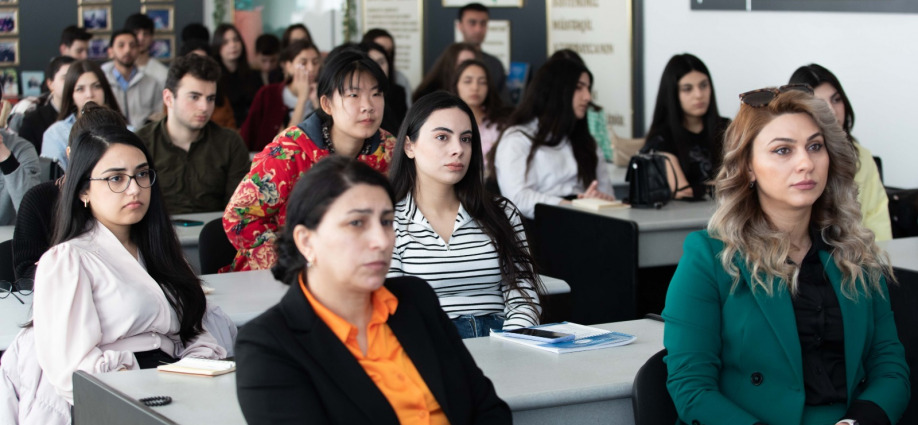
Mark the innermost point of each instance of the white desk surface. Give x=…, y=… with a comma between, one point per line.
x=188, y=235
x=561, y=380
x=6, y=233
x=903, y=252
x=12, y=316
x=245, y=295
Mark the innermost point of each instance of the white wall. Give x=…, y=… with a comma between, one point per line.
x=875, y=56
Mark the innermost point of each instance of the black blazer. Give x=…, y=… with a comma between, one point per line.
x=291, y=368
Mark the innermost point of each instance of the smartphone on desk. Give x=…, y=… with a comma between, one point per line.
x=186, y=223
x=540, y=335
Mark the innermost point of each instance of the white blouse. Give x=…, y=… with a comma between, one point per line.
x=552, y=173
x=95, y=305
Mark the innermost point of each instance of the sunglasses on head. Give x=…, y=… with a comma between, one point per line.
x=762, y=97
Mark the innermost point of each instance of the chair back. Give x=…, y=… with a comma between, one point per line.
x=650, y=399
x=214, y=249
x=7, y=271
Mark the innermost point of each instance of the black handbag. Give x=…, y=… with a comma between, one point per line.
x=648, y=185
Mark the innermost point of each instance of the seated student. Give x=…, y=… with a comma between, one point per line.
x=384, y=38
x=472, y=83
x=138, y=94
x=596, y=119
x=143, y=27
x=285, y=104
x=75, y=42
x=198, y=162
x=546, y=154
x=779, y=312
x=35, y=221
x=238, y=82
x=267, y=54
x=293, y=33
x=346, y=345
x=350, y=90
x=686, y=126
x=19, y=172
x=36, y=121
x=395, y=96
x=871, y=194
x=114, y=292
x=83, y=82
x=466, y=243
x=441, y=73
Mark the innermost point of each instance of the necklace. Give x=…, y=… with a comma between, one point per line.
x=327, y=138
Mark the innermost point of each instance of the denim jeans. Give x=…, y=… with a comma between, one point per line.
x=475, y=326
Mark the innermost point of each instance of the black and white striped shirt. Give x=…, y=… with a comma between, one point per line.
x=465, y=273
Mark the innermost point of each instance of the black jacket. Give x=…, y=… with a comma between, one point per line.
x=291, y=368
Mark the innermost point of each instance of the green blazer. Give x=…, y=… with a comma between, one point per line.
x=736, y=358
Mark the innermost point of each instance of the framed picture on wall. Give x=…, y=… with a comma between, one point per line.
x=9, y=21
x=95, y=18
x=9, y=52
x=163, y=47
x=98, y=46
x=9, y=2
x=31, y=82
x=162, y=16
x=10, y=81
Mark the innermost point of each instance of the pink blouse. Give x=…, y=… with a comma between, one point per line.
x=95, y=305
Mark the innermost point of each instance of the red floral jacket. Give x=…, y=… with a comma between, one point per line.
x=258, y=208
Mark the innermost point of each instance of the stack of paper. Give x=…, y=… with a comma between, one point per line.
x=205, y=367
x=594, y=204
x=585, y=338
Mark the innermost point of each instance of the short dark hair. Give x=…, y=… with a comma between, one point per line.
x=139, y=21
x=200, y=67
x=195, y=31
x=473, y=7
x=815, y=75
x=73, y=33
x=285, y=38
x=341, y=65
x=55, y=65
x=309, y=201
x=195, y=44
x=116, y=34
x=267, y=44
x=290, y=52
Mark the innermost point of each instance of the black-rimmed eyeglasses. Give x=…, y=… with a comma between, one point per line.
x=120, y=182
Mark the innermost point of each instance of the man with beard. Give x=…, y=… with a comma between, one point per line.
x=198, y=163
x=138, y=95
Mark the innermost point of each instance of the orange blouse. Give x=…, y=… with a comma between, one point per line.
x=386, y=362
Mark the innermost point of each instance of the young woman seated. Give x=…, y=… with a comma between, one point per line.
x=779, y=313
x=350, y=90
x=686, y=126
x=441, y=73
x=468, y=244
x=871, y=194
x=114, y=292
x=346, y=345
x=546, y=154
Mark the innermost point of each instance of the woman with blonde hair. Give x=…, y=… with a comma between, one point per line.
x=779, y=313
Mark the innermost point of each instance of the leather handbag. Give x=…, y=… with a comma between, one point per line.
x=648, y=185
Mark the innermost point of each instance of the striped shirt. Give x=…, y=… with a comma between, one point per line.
x=465, y=273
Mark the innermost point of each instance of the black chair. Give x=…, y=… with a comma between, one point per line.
x=214, y=249
x=903, y=211
x=7, y=271
x=650, y=399
x=596, y=255
x=903, y=297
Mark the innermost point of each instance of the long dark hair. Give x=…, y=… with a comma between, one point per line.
x=492, y=105
x=487, y=209
x=285, y=38
x=341, y=66
x=309, y=201
x=668, y=115
x=574, y=56
x=815, y=75
x=242, y=64
x=373, y=33
x=153, y=234
x=550, y=100
x=77, y=69
x=441, y=73
x=396, y=107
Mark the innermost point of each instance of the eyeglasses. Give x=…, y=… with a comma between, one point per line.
x=22, y=286
x=762, y=97
x=120, y=182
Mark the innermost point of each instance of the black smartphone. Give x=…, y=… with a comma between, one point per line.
x=540, y=335
x=186, y=223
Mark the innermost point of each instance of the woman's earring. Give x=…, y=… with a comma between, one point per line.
x=85, y=203
x=752, y=184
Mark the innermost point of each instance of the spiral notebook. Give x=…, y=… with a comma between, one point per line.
x=203, y=367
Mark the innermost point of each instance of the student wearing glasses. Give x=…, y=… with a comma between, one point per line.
x=346, y=345
x=871, y=193
x=686, y=126
x=779, y=312
x=468, y=244
x=547, y=155
x=115, y=291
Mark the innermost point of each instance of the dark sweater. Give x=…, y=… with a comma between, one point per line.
x=34, y=227
x=35, y=122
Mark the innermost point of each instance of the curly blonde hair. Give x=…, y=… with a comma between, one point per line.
x=750, y=236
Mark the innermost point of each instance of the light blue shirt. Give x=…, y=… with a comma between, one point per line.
x=54, y=141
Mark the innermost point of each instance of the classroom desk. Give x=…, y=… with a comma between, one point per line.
x=188, y=235
x=583, y=388
x=245, y=295
x=903, y=253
